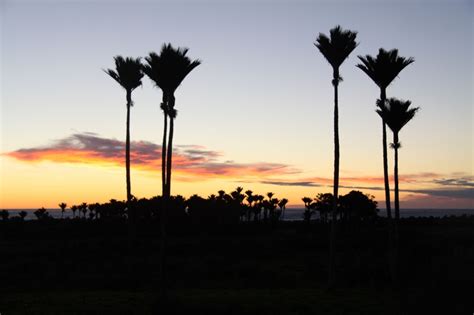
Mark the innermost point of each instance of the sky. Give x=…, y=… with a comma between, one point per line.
x=256, y=113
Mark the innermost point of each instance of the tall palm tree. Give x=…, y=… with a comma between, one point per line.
x=128, y=73
x=167, y=70
x=383, y=70
x=396, y=114
x=335, y=48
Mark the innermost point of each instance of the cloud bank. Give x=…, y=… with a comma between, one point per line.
x=189, y=161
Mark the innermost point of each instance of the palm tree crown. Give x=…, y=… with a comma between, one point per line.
x=128, y=72
x=169, y=68
x=338, y=46
x=385, y=67
x=396, y=113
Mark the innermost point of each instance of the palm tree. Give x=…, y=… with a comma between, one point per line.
x=335, y=49
x=74, y=208
x=396, y=114
x=250, y=200
x=83, y=208
x=22, y=214
x=128, y=73
x=63, y=206
x=282, y=205
x=167, y=70
x=383, y=70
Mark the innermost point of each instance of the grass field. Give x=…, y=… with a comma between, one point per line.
x=80, y=267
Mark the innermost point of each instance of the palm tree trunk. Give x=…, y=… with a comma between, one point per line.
x=164, y=204
x=127, y=158
x=170, y=150
x=332, y=237
x=163, y=155
x=397, y=211
x=392, y=255
x=383, y=98
x=395, y=174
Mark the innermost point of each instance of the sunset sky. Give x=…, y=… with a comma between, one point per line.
x=256, y=113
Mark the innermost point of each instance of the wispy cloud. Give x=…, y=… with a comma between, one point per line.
x=466, y=181
x=189, y=161
x=441, y=186
x=290, y=183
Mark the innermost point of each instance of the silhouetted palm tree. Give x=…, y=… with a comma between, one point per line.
x=250, y=200
x=63, y=206
x=167, y=70
x=83, y=208
x=282, y=205
x=22, y=214
x=74, y=208
x=128, y=73
x=4, y=214
x=396, y=114
x=383, y=70
x=335, y=49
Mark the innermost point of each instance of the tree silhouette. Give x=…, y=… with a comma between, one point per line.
x=335, y=49
x=323, y=203
x=22, y=214
x=250, y=199
x=63, y=207
x=282, y=206
x=128, y=73
x=74, y=208
x=308, y=209
x=41, y=214
x=167, y=70
x=383, y=70
x=396, y=114
x=357, y=206
x=4, y=214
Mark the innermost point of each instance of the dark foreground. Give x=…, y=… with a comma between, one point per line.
x=91, y=267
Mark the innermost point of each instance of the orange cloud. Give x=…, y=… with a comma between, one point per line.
x=190, y=162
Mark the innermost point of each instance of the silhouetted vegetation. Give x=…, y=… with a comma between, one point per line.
x=238, y=239
x=128, y=73
x=383, y=70
x=65, y=266
x=335, y=48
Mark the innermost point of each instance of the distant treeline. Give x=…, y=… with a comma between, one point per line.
x=234, y=207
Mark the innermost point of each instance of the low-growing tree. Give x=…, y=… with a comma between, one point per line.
x=63, y=206
x=4, y=214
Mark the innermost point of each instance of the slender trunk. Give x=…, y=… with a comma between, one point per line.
x=163, y=154
x=395, y=174
x=332, y=237
x=127, y=158
x=164, y=202
x=392, y=259
x=383, y=98
x=397, y=211
x=169, y=157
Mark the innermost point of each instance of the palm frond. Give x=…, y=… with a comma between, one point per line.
x=128, y=72
x=396, y=113
x=338, y=46
x=168, y=69
x=385, y=67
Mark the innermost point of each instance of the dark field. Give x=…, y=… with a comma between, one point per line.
x=91, y=267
